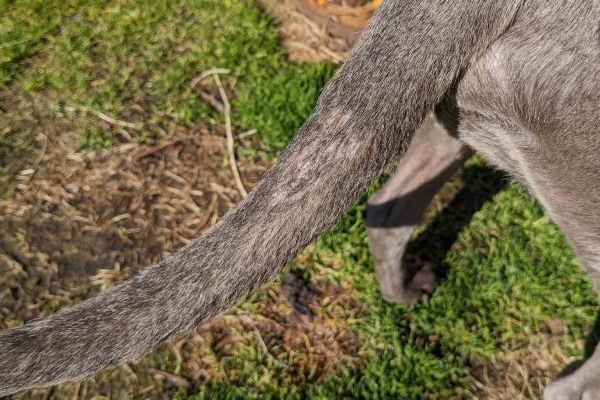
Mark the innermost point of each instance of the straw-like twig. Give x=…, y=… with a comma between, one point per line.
x=14, y=43
x=208, y=73
x=229, y=133
x=110, y=120
x=156, y=149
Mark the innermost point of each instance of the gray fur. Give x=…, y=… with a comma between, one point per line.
x=396, y=209
x=525, y=75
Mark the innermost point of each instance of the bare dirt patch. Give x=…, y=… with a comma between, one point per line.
x=302, y=345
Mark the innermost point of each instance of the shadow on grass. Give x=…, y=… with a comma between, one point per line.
x=591, y=341
x=593, y=338
x=477, y=184
x=482, y=183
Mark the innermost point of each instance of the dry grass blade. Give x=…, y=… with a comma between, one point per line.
x=247, y=133
x=110, y=120
x=156, y=149
x=208, y=73
x=174, y=379
x=210, y=99
x=229, y=133
x=262, y=344
x=318, y=31
x=14, y=43
x=335, y=56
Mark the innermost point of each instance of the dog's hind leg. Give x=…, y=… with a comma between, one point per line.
x=539, y=122
x=395, y=210
x=572, y=201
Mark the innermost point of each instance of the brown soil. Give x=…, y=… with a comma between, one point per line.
x=297, y=325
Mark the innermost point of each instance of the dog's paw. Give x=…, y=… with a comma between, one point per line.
x=422, y=284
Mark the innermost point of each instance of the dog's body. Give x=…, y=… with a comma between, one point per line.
x=518, y=81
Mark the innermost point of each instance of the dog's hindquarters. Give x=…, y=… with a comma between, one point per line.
x=531, y=106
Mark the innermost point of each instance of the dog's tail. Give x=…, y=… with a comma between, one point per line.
x=410, y=54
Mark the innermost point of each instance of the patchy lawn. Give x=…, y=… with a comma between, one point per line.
x=113, y=154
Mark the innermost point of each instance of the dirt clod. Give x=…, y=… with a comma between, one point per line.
x=556, y=326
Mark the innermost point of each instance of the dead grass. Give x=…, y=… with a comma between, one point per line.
x=306, y=39
x=521, y=374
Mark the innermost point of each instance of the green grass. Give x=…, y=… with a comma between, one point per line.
x=109, y=55
x=509, y=267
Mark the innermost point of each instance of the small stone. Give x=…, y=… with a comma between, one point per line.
x=542, y=365
x=556, y=326
x=77, y=18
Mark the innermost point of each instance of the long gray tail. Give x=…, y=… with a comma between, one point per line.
x=411, y=53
